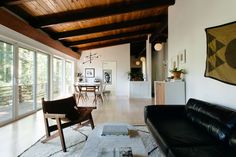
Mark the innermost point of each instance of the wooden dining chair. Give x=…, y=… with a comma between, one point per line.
x=84, y=91
x=106, y=93
x=66, y=113
x=79, y=94
x=99, y=93
x=92, y=89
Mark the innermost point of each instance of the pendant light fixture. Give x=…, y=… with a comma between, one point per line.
x=158, y=46
x=89, y=58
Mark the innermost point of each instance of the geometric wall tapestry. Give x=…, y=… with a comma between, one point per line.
x=221, y=53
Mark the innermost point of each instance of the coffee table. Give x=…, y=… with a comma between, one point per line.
x=97, y=143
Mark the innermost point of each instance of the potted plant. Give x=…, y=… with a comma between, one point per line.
x=177, y=73
x=135, y=76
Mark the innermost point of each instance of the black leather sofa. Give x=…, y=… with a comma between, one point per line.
x=197, y=129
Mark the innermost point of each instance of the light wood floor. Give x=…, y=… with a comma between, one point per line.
x=18, y=136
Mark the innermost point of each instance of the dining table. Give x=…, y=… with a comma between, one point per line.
x=89, y=86
x=86, y=87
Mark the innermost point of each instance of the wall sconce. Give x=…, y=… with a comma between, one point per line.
x=158, y=46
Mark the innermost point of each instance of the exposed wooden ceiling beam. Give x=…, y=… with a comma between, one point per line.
x=13, y=2
x=107, y=27
x=160, y=39
x=109, y=37
x=159, y=33
x=16, y=24
x=97, y=12
x=113, y=43
x=20, y=13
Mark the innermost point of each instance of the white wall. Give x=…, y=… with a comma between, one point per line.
x=121, y=55
x=187, y=22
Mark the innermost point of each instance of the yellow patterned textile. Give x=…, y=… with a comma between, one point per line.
x=221, y=53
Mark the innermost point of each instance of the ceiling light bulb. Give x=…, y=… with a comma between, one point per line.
x=142, y=59
x=158, y=46
x=137, y=62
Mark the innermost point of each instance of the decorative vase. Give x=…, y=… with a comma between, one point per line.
x=176, y=75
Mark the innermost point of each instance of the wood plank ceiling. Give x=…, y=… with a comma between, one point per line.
x=88, y=24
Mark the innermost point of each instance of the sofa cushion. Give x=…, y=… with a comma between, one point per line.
x=164, y=147
x=232, y=138
x=164, y=111
x=201, y=151
x=222, y=114
x=182, y=132
x=217, y=120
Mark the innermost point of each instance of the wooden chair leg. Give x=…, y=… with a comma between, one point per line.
x=80, y=96
x=50, y=137
x=46, y=127
x=91, y=121
x=61, y=134
x=95, y=99
x=86, y=96
x=101, y=98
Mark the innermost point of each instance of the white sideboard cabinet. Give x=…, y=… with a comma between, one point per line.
x=169, y=92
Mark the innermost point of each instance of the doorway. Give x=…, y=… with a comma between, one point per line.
x=109, y=75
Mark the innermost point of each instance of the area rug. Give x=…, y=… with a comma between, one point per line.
x=75, y=141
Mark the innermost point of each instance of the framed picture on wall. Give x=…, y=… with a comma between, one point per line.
x=107, y=76
x=89, y=72
x=175, y=61
x=182, y=57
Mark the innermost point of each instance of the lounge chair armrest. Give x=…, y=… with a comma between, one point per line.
x=51, y=115
x=86, y=108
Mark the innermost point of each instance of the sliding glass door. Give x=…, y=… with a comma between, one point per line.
x=33, y=80
x=24, y=80
x=69, y=78
x=57, y=78
x=6, y=82
x=26, y=88
x=42, y=77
